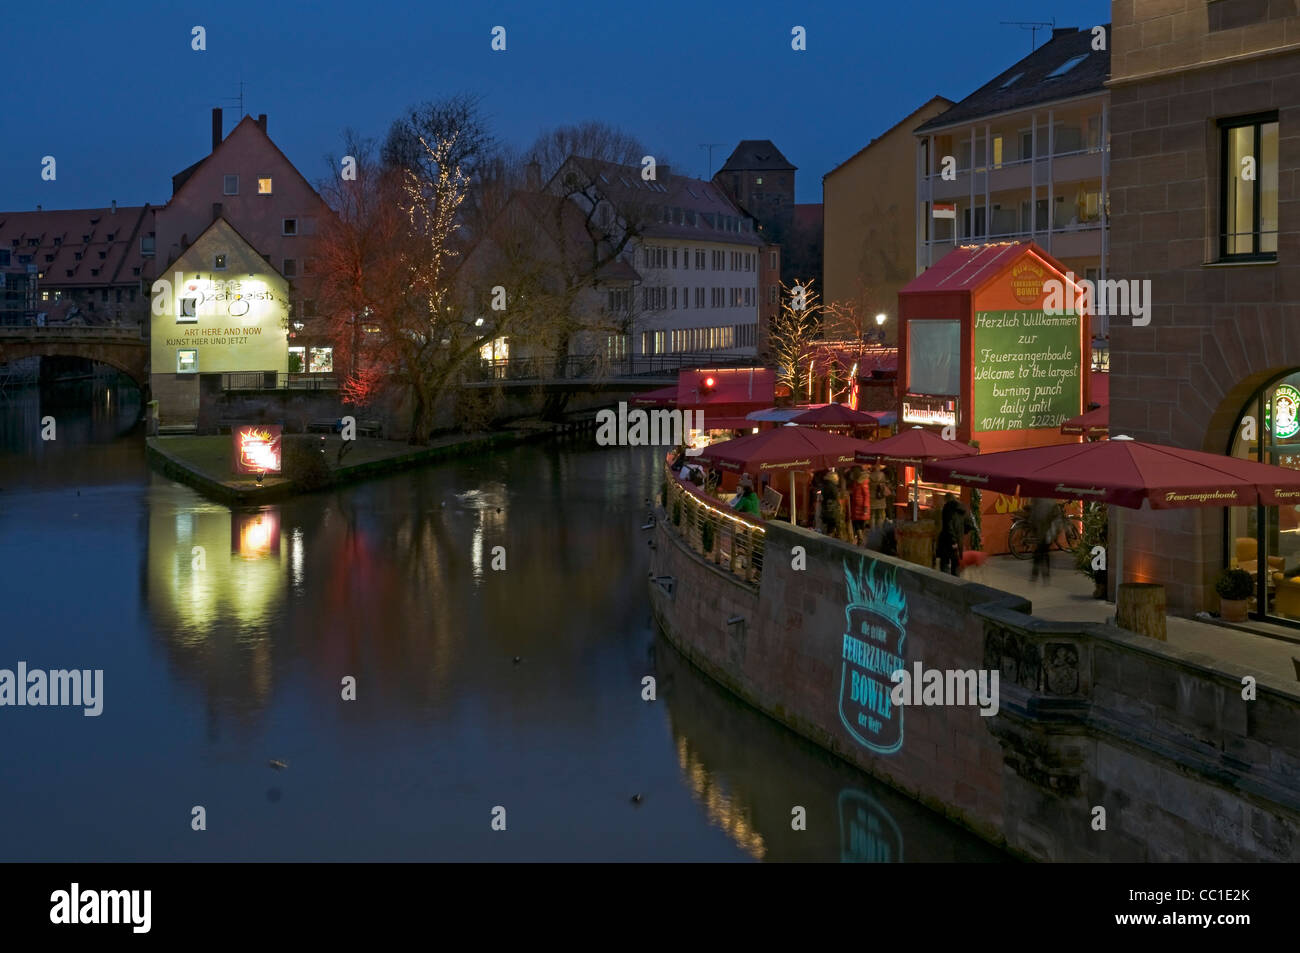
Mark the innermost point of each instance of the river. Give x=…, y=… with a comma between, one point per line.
x=491, y=684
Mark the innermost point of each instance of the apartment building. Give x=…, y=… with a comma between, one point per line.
x=1025, y=156
x=695, y=253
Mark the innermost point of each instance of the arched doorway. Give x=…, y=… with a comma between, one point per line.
x=1265, y=540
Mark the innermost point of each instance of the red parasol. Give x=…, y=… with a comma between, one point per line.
x=1125, y=472
x=835, y=415
x=1095, y=423
x=785, y=448
x=663, y=397
x=914, y=447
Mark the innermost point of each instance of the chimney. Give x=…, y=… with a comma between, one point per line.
x=216, y=127
x=114, y=212
x=261, y=121
x=216, y=211
x=533, y=176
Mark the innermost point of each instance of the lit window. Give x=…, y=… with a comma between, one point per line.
x=264, y=185
x=45, y=296
x=297, y=359
x=219, y=262
x=187, y=361
x=322, y=360
x=232, y=185
x=289, y=227
x=1068, y=65
x=759, y=180
x=189, y=310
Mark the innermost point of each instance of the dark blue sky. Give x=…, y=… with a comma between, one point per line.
x=115, y=93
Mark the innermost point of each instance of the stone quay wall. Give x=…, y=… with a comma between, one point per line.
x=1090, y=718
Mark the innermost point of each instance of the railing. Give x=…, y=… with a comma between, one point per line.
x=598, y=366
x=729, y=540
x=271, y=380
x=72, y=331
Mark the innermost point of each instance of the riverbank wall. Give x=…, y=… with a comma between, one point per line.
x=1105, y=745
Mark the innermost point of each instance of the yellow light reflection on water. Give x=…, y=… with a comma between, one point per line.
x=723, y=812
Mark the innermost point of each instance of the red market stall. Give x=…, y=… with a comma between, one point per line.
x=994, y=352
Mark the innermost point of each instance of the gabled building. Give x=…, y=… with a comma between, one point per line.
x=695, y=251
x=221, y=309
x=247, y=181
x=1024, y=157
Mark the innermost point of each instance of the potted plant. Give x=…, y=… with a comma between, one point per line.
x=1235, y=587
x=1093, y=565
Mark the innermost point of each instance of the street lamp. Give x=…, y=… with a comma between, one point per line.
x=881, y=318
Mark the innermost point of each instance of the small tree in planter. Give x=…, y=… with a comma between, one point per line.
x=1235, y=587
x=1094, y=535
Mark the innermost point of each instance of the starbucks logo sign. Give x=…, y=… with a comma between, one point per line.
x=1286, y=411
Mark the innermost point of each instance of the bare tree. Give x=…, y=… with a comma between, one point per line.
x=794, y=333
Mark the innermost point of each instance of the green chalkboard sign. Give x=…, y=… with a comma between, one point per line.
x=1027, y=367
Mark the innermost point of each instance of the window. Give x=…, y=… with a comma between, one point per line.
x=686, y=259
x=674, y=307
x=218, y=262
x=45, y=296
x=264, y=185
x=322, y=360
x=1011, y=80
x=771, y=294
x=297, y=360
x=48, y=259
x=1249, y=201
x=103, y=255
x=699, y=259
x=27, y=259
x=934, y=357
x=4, y=257
x=772, y=262
x=686, y=298
x=147, y=245
x=187, y=361
x=289, y=227
x=232, y=185
x=1068, y=65
x=189, y=310
x=758, y=180
x=290, y=267
x=674, y=257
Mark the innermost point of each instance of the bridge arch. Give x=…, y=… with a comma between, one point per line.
x=120, y=348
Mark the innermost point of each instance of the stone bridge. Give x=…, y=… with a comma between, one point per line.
x=122, y=348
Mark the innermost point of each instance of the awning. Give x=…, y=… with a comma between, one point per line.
x=663, y=397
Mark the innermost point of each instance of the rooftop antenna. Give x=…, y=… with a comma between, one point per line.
x=239, y=99
x=711, y=146
x=1033, y=26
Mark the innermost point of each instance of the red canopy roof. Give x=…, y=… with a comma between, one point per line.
x=736, y=390
x=835, y=415
x=914, y=446
x=1091, y=424
x=785, y=448
x=969, y=267
x=663, y=397
x=1124, y=473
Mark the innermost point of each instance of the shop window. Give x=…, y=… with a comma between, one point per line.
x=232, y=185
x=1249, y=188
x=187, y=361
x=264, y=185
x=322, y=360
x=1269, y=535
x=297, y=359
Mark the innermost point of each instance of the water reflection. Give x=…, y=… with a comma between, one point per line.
x=749, y=788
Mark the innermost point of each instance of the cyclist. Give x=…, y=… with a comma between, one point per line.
x=1046, y=522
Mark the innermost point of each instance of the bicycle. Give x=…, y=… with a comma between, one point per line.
x=1022, y=540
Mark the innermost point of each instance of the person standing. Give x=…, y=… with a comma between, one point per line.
x=879, y=485
x=1045, y=521
x=860, y=504
x=832, y=513
x=952, y=534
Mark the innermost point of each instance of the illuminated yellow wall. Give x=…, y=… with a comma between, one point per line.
x=239, y=323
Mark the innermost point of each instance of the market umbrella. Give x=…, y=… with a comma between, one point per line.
x=835, y=415
x=785, y=448
x=1095, y=423
x=914, y=447
x=1125, y=472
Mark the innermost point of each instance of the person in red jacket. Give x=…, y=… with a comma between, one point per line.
x=860, y=504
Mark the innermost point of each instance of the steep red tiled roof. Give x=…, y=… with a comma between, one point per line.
x=108, y=242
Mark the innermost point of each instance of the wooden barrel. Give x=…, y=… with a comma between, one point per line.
x=916, y=542
x=1141, y=609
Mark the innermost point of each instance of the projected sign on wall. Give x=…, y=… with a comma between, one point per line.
x=872, y=650
x=257, y=448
